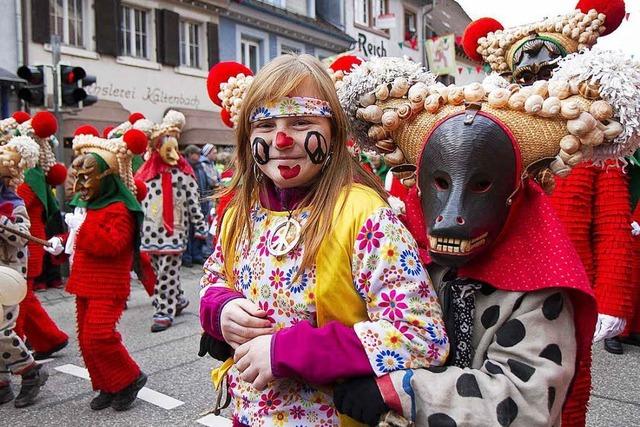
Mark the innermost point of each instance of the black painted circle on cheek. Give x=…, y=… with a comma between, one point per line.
x=316, y=147
x=260, y=151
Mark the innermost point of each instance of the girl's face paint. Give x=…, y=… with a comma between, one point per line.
x=291, y=150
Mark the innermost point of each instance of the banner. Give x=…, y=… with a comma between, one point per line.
x=441, y=54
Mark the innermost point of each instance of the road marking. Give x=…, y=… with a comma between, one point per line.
x=146, y=394
x=42, y=361
x=215, y=421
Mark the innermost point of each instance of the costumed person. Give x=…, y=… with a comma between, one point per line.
x=171, y=206
x=593, y=200
x=194, y=253
x=103, y=253
x=519, y=310
x=17, y=155
x=34, y=323
x=313, y=278
x=631, y=334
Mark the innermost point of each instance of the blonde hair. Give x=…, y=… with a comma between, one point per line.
x=276, y=80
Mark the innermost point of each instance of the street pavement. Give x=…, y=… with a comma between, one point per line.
x=180, y=380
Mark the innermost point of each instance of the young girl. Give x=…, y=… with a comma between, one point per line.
x=313, y=278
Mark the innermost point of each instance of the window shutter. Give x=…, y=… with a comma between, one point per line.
x=40, y=21
x=167, y=37
x=213, y=49
x=107, y=26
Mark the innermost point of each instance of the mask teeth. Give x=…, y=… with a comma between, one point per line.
x=456, y=246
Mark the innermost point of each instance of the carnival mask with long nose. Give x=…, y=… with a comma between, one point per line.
x=169, y=150
x=87, y=177
x=467, y=175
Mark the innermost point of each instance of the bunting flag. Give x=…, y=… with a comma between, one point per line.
x=401, y=45
x=459, y=70
x=626, y=15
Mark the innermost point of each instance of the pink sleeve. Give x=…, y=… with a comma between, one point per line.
x=211, y=305
x=318, y=355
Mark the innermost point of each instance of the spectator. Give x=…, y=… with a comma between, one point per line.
x=208, y=157
x=194, y=252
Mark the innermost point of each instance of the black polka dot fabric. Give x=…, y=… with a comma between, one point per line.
x=168, y=292
x=553, y=306
x=467, y=386
x=553, y=353
x=14, y=356
x=511, y=333
x=441, y=420
x=490, y=316
x=506, y=412
x=521, y=369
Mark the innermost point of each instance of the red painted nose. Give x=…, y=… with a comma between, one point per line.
x=283, y=141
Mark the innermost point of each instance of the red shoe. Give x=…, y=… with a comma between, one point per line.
x=39, y=287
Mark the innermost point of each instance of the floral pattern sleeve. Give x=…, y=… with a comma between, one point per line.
x=405, y=329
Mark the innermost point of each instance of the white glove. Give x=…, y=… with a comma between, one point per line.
x=397, y=205
x=56, y=247
x=74, y=220
x=635, y=228
x=608, y=327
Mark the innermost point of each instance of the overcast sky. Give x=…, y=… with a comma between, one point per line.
x=510, y=13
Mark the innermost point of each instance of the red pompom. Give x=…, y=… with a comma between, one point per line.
x=86, y=130
x=345, y=63
x=44, y=124
x=475, y=30
x=141, y=189
x=614, y=9
x=226, y=118
x=21, y=116
x=57, y=174
x=105, y=131
x=220, y=73
x=136, y=141
x=134, y=117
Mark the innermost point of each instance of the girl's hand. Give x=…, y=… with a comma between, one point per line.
x=241, y=320
x=253, y=360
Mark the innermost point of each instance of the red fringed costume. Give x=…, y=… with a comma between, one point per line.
x=594, y=206
x=100, y=280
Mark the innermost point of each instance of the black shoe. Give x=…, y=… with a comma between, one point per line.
x=6, y=394
x=631, y=339
x=102, y=401
x=31, y=383
x=181, y=305
x=612, y=345
x=160, y=325
x=45, y=355
x=187, y=264
x=125, y=398
x=199, y=261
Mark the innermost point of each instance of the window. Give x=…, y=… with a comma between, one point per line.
x=134, y=30
x=190, y=44
x=366, y=12
x=276, y=3
x=66, y=20
x=410, y=29
x=249, y=54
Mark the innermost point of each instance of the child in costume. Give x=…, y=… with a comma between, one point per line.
x=313, y=278
x=170, y=207
x=34, y=323
x=103, y=255
x=19, y=154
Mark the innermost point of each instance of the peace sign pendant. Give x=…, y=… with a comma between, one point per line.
x=284, y=238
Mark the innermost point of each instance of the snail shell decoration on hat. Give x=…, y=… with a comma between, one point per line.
x=551, y=120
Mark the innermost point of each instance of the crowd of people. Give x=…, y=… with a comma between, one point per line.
x=383, y=249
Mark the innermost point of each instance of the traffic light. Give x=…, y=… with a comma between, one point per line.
x=72, y=82
x=34, y=92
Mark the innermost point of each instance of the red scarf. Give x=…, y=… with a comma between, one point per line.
x=156, y=166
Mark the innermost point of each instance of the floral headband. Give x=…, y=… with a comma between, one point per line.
x=291, y=107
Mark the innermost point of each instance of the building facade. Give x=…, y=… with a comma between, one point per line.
x=153, y=55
